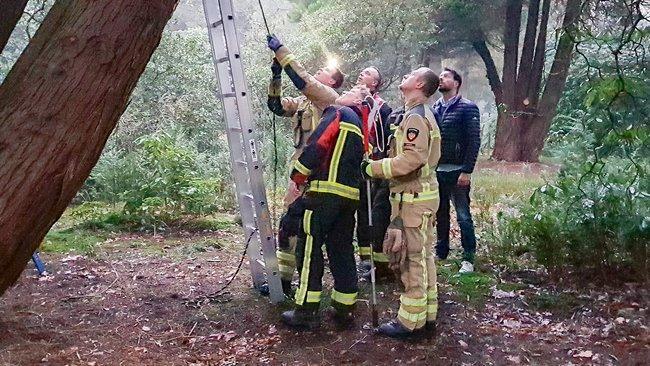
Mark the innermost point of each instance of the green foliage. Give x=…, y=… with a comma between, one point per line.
x=71, y=240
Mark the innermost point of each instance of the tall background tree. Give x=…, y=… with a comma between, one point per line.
x=58, y=106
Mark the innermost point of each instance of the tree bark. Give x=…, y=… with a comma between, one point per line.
x=527, y=53
x=511, y=49
x=480, y=46
x=522, y=130
x=58, y=106
x=11, y=12
x=540, y=56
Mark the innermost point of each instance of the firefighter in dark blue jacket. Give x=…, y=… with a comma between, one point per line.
x=329, y=168
x=459, y=121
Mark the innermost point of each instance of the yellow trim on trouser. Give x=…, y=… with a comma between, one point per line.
x=313, y=296
x=350, y=127
x=380, y=257
x=336, y=156
x=286, y=256
x=306, y=261
x=286, y=264
x=412, y=302
x=410, y=198
x=432, y=304
x=364, y=250
x=412, y=317
x=334, y=188
x=386, y=168
x=345, y=299
x=287, y=60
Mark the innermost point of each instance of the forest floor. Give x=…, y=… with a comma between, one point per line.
x=139, y=299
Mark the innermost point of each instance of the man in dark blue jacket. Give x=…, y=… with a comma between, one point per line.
x=459, y=122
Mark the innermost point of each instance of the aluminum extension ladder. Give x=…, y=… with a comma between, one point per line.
x=244, y=154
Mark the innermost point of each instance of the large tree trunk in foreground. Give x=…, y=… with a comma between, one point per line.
x=11, y=12
x=58, y=106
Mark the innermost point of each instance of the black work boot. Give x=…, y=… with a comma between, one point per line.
x=394, y=329
x=301, y=318
x=430, y=329
x=344, y=319
x=286, y=288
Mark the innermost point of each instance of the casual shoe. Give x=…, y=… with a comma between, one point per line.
x=300, y=318
x=466, y=267
x=394, y=329
x=343, y=319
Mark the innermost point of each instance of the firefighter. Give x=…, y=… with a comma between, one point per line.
x=379, y=133
x=305, y=112
x=413, y=155
x=327, y=167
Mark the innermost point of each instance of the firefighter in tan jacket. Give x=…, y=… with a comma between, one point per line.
x=410, y=169
x=305, y=112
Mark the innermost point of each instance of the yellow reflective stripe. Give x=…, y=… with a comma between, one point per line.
x=432, y=294
x=364, y=250
x=286, y=269
x=286, y=257
x=414, y=318
x=306, y=261
x=386, y=168
x=426, y=170
x=399, y=141
x=336, y=156
x=345, y=299
x=287, y=60
x=334, y=188
x=380, y=257
x=350, y=127
x=412, y=302
x=423, y=260
x=393, y=127
x=435, y=134
x=432, y=309
x=301, y=168
x=313, y=296
x=410, y=198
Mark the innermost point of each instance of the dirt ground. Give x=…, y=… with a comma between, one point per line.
x=141, y=301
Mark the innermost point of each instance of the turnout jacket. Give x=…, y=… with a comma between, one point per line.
x=331, y=159
x=305, y=111
x=461, y=133
x=413, y=155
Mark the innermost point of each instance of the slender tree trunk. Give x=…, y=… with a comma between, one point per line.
x=527, y=53
x=10, y=14
x=492, y=74
x=58, y=106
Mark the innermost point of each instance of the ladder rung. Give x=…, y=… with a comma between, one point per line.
x=235, y=129
x=217, y=23
x=251, y=227
x=221, y=60
x=248, y=195
x=241, y=162
x=261, y=263
x=227, y=95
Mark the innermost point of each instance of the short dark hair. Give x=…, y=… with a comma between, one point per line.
x=431, y=82
x=338, y=77
x=455, y=75
x=380, y=78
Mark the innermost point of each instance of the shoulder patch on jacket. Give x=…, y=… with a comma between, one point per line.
x=412, y=134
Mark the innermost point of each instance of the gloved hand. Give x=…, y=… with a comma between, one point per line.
x=394, y=246
x=364, y=169
x=273, y=42
x=276, y=69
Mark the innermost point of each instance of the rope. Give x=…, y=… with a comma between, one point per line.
x=215, y=295
x=275, y=174
x=264, y=17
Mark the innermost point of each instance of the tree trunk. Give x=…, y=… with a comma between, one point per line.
x=480, y=46
x=522, y=129
x=58, y=106
x=11, y=12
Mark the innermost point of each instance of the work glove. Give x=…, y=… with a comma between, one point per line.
x=276, y=69
x=365, y=169
x=273, y=42
x=394, y=246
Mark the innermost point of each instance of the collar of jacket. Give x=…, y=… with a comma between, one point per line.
x=410, y=104
x=453, y=101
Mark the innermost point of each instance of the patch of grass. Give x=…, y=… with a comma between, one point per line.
x=489, y=188
x=472, y=288
x=504, y=286
x=72, y=240
x=209, y=223
x=557, y=303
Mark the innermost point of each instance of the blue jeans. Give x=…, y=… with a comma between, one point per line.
x=460, y=197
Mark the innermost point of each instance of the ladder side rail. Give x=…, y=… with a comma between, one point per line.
x=242, y=185
x=267, y=236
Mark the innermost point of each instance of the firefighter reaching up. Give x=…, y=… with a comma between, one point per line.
x=305, y=112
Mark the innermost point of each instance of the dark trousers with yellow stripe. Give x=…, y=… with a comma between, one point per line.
x=380, y=221
x=329, y=220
